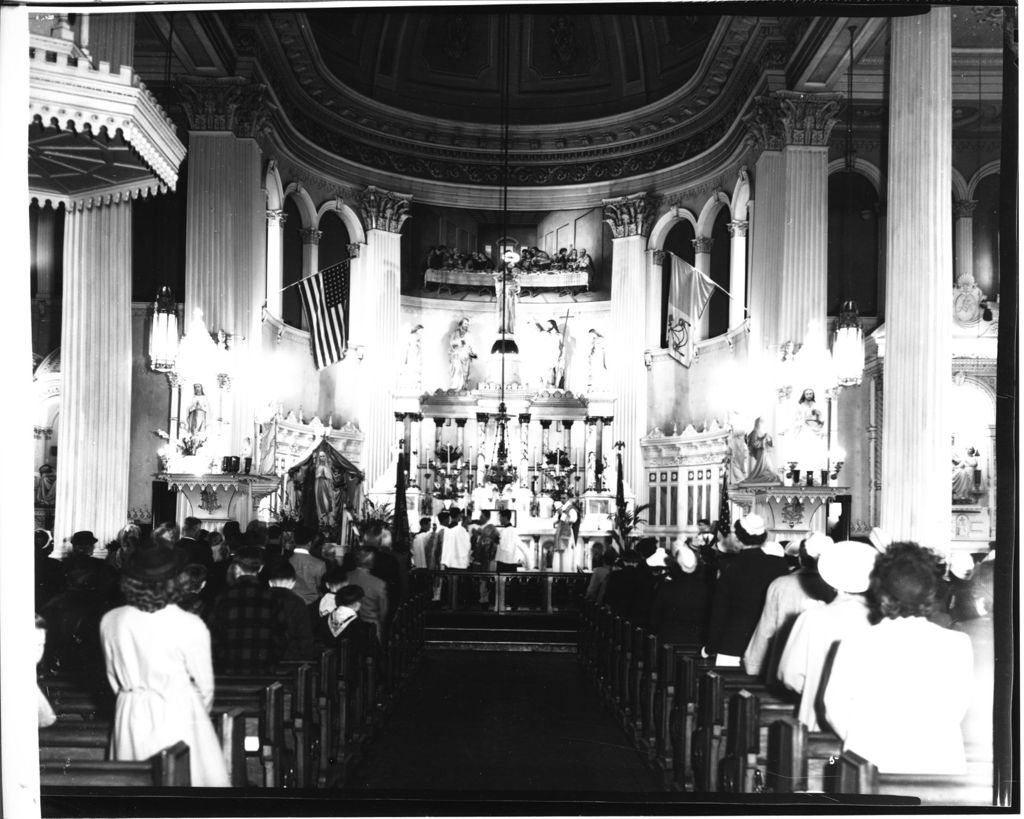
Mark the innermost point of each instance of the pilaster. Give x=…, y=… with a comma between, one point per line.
x=737, y=271
x=375, y=313
x=702, y=247
x=629, y=219
x=963, y=213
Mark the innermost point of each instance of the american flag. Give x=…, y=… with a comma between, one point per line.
x=323, y=298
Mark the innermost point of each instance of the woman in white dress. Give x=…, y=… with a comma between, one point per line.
x=158, y=663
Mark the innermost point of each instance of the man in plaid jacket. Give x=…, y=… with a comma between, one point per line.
x=248, y=628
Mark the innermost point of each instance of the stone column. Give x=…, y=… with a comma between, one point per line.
x=374, y=312
x=524, y=449
x=275, y=260
x=795, y=205
x=963, y=211
x=915, y=502
x=96, y=368
x=629, y=219
x=111, y=38
x=737, y=271
x=702, y=261
x=310, y=237
x=225, y=239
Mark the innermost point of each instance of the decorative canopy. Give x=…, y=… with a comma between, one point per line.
x=320, y=487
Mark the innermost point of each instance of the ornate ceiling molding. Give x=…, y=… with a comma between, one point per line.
x=681, y=127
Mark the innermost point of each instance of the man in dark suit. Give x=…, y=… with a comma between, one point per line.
x=197, y=549
x=309, y=569
x=740, y=590
x=374, y=608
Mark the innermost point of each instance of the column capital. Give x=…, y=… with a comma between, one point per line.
x=738, y=227
x=460, y=422
x=628, y=215
x=784, y=118
x=277, y=216
x=702, y=244
x=545, y=423
x=384, y=210
x=524, y=418
x=310, y=236
x=964, y=208
x=354, y=249
x=482, y=417
x=659, y=257
x=223, y=104
x=400, y=416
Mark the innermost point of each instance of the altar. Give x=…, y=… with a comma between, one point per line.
x=216, y=499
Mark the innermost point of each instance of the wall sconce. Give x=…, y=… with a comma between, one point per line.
x=163, y=337
x=648, y=359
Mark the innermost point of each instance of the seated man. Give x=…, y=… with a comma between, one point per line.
x=248, y=631
x=899, y=690
x=374, y=608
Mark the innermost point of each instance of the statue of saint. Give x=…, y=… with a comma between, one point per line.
x=963, y=476
x=460, y=356
x=506, y=295
x=809, y=433
x=758, y=444
x=198, y=411
x=554, y=356
x=46, y=486
x=324, y=483
x=598, y=364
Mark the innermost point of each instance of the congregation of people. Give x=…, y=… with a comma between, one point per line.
x=887, y=645
x=160, y=617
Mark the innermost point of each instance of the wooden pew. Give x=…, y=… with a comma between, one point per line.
x=738, y=771
x=262, y=706
x=797, y=758
x=850, y=773
x=167, y=769
x=646, y=724
x=707, y=747
x=683, y=720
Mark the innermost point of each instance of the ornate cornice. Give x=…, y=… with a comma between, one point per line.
x=628, y=215
x=384, y=210
x=686, y=124
x=223, y=104
x=964, y=208
x=784, y=118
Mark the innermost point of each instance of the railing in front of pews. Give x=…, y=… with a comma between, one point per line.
x=531, y=591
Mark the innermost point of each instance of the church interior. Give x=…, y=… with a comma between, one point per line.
x=492, y=308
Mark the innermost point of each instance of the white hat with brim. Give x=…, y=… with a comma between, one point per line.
x=753, y=524
x=816, y=543
x=847, y=565
x=687, y=559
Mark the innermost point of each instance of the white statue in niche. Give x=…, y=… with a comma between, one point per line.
x=460, y=355
x=597, y=361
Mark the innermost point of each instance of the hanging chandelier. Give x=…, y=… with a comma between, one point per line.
x=848, y=347
x=163, y=337
x=502, y=472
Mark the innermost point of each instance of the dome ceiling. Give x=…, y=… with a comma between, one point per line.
x=562, y=67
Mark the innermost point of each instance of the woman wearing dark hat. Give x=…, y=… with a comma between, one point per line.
x=158, y=663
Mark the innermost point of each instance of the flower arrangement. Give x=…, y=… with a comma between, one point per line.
x=188, y=444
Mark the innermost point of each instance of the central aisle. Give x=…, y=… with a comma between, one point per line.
x=489, y=721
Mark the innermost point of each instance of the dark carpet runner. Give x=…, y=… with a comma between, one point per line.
x=490, y=721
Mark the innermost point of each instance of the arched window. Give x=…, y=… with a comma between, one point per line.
x=679, y=241
x=852, y=243
x=986, y=235
x=291, y=306
x=721, y=256
x=334, y=241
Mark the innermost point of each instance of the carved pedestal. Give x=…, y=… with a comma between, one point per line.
x=215, y=499
x=790, y=512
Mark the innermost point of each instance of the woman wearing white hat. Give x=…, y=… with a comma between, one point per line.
x=846, y=567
